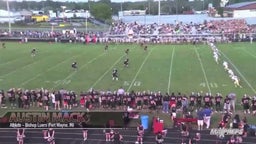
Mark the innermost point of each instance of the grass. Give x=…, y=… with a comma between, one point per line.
x=165, y=68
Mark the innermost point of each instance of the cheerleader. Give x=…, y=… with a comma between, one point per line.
x=20, y=136
x=85, y=131
x=50, y=136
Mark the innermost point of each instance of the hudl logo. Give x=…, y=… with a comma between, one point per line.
x=223, y=132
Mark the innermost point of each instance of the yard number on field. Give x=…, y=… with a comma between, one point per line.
x=136, y=83
x=62, y=82
x=212, y=85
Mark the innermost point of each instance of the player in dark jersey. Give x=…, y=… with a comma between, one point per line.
x=218, y=98
x=198, y=101
x=74, y=65
x=115, y=74
x=246, y=104
x=127, y=51
x=3, y=45
x=146, y=48
x=106, y=47
x=126, y=62
x=33, y=52
x=141, y=44
x=254, y=105
x=192, y=99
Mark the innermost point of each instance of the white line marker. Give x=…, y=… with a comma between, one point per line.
x=202, y=67
x=249, y=53
x=83, y=66
x=102, y=76
x=131, y=84
x=239, y=72
x=53, y=67
x=170, y=72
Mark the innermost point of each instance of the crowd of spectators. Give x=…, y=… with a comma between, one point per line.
x=199, y=104
x=64, y=99
x=233, y=26
x=120, y=32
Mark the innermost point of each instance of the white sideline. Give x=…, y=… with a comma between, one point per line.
x=238, y=72
x=139, y=69
x=202, y=67
x=170, y=73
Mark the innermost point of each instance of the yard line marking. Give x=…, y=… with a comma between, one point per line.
x=83, y=66
x=103, y=75
x=34, y=62
x=9, y=62
x=238, y=72
x=202, y=67
x=170, y=73
x=249, y=53
x=139, y=69
x=53, y=67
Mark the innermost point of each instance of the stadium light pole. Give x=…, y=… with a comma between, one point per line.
x=86, y=20
x=159, y=11
x=9, y=16
x=145, y=16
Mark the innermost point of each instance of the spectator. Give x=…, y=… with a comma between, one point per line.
x=117, y=138
x=200, y=119
x=207, y=116
x=226, y=106
x=236, y=122
x=224, y=121
x=173, y=113
x=232, y=98
x=159, y=138
x=245, y=127
x=232, y=140
x=166, y=103
x=196, y=139
x=184, y=133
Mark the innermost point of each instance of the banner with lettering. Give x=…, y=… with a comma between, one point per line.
x=62, y=119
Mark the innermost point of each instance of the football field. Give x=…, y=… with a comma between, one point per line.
x=165, y=68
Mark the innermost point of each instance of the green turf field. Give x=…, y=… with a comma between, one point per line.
x=166, y=68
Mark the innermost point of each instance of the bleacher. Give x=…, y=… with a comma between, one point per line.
x=97, y=136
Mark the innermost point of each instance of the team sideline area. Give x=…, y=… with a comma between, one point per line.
x=64, y=136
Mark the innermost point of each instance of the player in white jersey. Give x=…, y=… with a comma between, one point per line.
x=216, y=58
x=225, y=64
x=231, y=72
x=236, y=81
